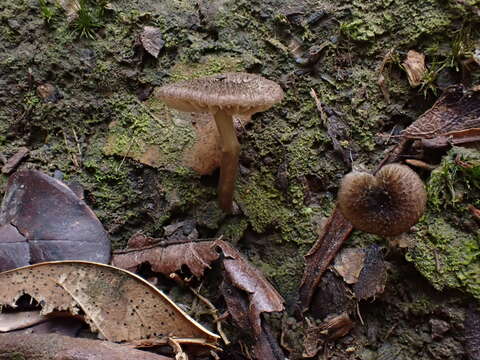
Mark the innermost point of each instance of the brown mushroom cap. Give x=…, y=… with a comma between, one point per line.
x=234, y=93
x=386, y=204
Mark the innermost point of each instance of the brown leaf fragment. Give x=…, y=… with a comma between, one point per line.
x=456, y=110
x=118, y=304
x=151, y=39
x=167, y=259
x=53, y=221
x=265, y=346
x=321, y=254
x=415, y=67
x=472, y=332
x=71, y=8
x=58, y=347
x=373, y=276
x=349, y=264
x=334, y=327
x=261, y=294
x=13, y=162
x=20, y=320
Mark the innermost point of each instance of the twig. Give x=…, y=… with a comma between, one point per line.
x=323, y=116
x=214, y=313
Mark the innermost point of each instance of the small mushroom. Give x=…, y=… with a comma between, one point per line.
x=224, y=95
x=386, y=204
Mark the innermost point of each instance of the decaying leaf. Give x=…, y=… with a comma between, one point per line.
x=20, y=320
x=151, y=39
x=415, y=67
x=373, y=276
x=71, y=8
x=198, y=256
x=349, y=264
x=118, y=304
x=42, y=219
x=455, y=110
x=334, y=327
x=58, y=347
x=12, y=163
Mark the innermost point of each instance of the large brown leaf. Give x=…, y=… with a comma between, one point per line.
x=42, y=219
x=118, y=304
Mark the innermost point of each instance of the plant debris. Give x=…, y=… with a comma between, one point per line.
x=118, y=304
x=415, y=67
x=198, y=256
x=334, y=327
x=373, y=276
x=58, y=347
x=151, y=39
x=20, y=320
x=13, y=162
x=44, y=220
x=349, y=264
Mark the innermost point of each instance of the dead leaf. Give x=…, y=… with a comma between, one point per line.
x=58, y=347
x=349, y=264
x=335, y=232
x=45, y=220
x=415, y=67
x=198, y=256
x=334, y=327
x=373, y=277
x=456, y=110
x=151, y=39
x=118, y=304
x=13, y=162
x=71, y=8
x=20, y=320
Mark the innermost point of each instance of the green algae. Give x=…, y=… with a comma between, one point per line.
x=446, y=254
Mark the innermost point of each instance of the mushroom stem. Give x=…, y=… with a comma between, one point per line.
x=229, y=161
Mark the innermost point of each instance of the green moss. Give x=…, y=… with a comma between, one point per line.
x=266, y=209
x=446, y=254
x=208, y=65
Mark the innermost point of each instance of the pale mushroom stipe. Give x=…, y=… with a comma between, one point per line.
x=224, y=95
x=386, y=204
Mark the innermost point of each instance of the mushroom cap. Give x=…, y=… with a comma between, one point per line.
x=234, y=93
x=386, y=204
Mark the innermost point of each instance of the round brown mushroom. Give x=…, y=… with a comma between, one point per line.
x=224, y=95
x=386, y=204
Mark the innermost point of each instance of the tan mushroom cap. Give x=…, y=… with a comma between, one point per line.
x=234, y=93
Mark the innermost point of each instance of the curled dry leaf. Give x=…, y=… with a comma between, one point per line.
x=58, y=347
x=71, y=8
x=118, y=304
x=349, y=264
x=415, y=67
x=12, y=163
x=198, y=256
x=456, y=110
x=42, y=219
x=151, y=39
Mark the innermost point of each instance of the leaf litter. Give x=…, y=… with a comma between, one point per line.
x=117, y=304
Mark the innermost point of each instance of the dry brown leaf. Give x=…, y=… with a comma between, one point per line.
x=373, y=277
x=118, y=304
x=12, y=163
x=58, y=347
x=415, y=67
x=198, y=256
x=151, y=39
x=456, y=110
x=349, y=264
x=20, y=320
x=71, y=8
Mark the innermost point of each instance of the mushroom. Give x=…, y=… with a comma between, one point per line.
x=224, y=95
x=386, y=204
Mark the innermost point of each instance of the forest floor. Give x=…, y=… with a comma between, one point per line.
x=79, y=93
